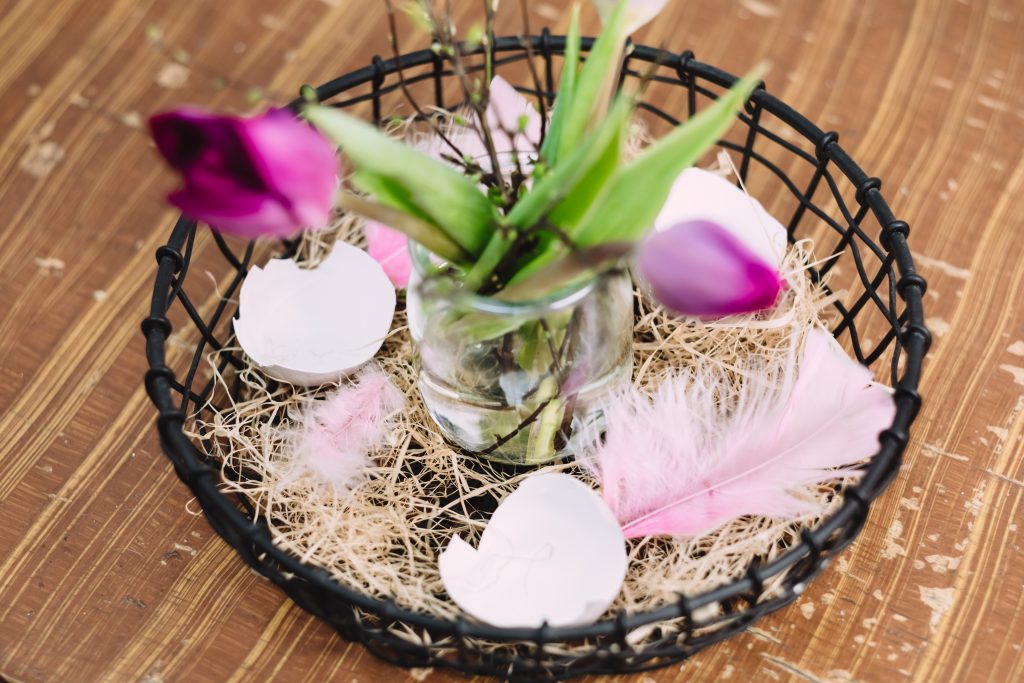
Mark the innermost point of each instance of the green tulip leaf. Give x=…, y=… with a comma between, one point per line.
x=417, y=182
x=634, y=198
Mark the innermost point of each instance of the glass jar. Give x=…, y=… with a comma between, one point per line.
x=513, y=381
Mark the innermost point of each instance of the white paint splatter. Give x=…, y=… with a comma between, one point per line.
x=1018, y=373
x=974, y=505
x=938, y=326
x=172, y=76
x=50, y=265
x=546, y=11
x=878, y=595
x=992, y=103
x=181, y=547
x=271, y=23
x=939, y=600
x=893, y=549
x=99, y=295
x=943, y=266
x=910, y=503
x=941, y=564
x=132, y=119
x=807, y=609
x=938, y=450
x=727, y=672
x=759, y=8
x=41, y=157
x=1000, y=432
x=827, y=598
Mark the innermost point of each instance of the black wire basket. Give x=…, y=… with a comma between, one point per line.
x=817, y=186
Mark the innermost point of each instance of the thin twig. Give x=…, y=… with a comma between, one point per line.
x=524, y=6
x=393, y=24
x=447, y=39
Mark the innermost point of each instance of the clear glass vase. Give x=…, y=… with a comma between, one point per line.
x=514, y=381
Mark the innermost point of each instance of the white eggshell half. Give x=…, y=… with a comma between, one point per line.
x=313, y=327
x=701, y=195
x=552, y=552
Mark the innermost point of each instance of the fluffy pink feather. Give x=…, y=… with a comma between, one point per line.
x=339, y=433
x=689, y=462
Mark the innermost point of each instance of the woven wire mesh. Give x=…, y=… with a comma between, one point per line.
x=820, y=193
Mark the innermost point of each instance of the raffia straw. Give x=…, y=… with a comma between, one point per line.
x=383, y=538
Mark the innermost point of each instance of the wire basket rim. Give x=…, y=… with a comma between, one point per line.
x=255, y=544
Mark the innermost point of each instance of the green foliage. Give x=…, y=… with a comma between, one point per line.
x=593, y=161
x=417, y=183
x=593, y=89
x=630, y=204
x=566, y=90
x=583, y=193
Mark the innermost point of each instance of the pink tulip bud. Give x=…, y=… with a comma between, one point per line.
x=698, y=268
x=264, y=175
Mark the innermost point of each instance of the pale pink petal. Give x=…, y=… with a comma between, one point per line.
x=504, y=112
x=390, y=248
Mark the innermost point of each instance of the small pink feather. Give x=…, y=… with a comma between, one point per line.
x=690, y=462
x=340, y=432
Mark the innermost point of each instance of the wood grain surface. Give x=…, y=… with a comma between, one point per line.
x=108, y=574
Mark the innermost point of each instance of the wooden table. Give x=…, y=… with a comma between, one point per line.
x=108, y=573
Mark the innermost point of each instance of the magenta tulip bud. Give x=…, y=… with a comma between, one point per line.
x=698, y=268
x=264, y=175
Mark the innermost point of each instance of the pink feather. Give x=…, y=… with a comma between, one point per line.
x=704, y=453
x=339, y=433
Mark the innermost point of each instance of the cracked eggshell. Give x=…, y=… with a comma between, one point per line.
x=552, y=552
x=315, y=326
x=701, y=195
